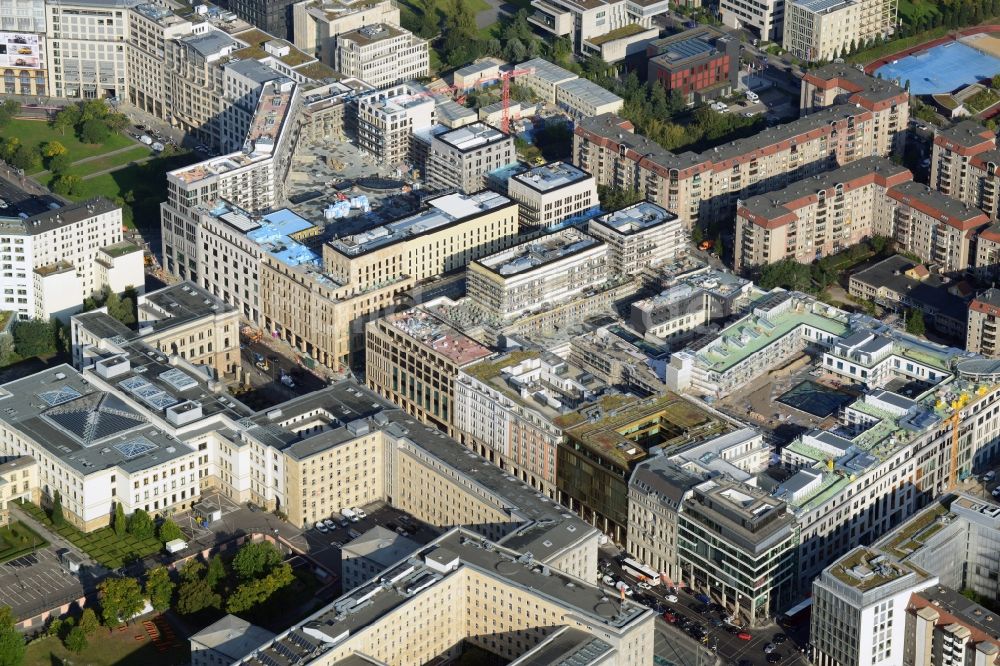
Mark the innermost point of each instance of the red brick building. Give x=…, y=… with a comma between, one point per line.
x=702, y=60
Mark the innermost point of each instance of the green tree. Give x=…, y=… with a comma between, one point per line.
x=8, y=110
x=67, y=185
x=55, y=627
x=159, y=588
x=56, y=513
x=94, y=131
x=252, y=593
x=58, y=164
x=26, y=157
x=612, y=198
x=121, y=599
x=140, y=525
x=169, y=531
x=915, y=322
x=66, y=119
x=192, y=570
x=7, y=353
x=34, y=337
x=255, y=560
x=196, y=595
x=76, y=640
x=9, y=148
x=89, y=622
x=216, y=572
x=11, y=640
x=995, y=82
x=786, y=273
x=53, y=148
x=118, y=522
x=429, y=25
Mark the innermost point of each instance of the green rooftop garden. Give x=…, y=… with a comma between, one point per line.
x=620, y=33
x=911, y=535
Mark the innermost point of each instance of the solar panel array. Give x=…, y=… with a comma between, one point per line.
x=134, y=448
x=59, y=396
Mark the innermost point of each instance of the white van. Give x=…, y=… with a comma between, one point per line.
x=752, y=96
x=350, y=515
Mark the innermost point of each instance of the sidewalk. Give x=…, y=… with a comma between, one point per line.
x=53, y=538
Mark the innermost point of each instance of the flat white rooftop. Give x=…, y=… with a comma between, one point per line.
x=472, y=136
x=551, y=176
x=636, y=218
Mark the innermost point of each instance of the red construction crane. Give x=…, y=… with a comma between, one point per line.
x=506, y=77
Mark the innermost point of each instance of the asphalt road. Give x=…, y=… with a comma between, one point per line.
x=730, y=648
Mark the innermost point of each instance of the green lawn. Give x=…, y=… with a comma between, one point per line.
x=147, y=182
x=103, y=544
x=114, y=648
x=35, y=132
x=17, y=539
x=896, y=45
x=110, y=161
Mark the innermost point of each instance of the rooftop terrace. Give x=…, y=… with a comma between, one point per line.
x=442, y=211
x=539, y=252
x=636, y=218
x=552, y=176
x=445, y=340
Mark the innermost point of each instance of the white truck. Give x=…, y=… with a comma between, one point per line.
x=350, y=515
x=175, y=545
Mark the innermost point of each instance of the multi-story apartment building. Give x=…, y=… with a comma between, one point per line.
x=537, y=274
x=987, y=267
x=983, y=324
x=638, y=236
x=859, y=609
x=463, y=589
x=86, y=43
x=512, y=410
x=656, y=490
x=413, y=358
x=381, y=55
x=544, y=77
x=551, y=194
x=181, y=320
x=150, y=27
x=964, y=166
x=707, y=186
x=252, y=178
x=763, y=19
x=827, y=29
x=950, y=546
x=319, y=22
x=388, y=118
x=737, y=543
x=24, y=67
x=461, y=158
x=586, y=22
x=272, y=16
x=935, y=227
x=693, y=300
x=818, y=216
x=701, y=61
x=320, y=306
x=54, y=260
x=195, y=83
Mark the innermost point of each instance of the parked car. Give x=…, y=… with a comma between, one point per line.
x=321, y=528
x=670, y=617
x=989, y=476
x=773, y=657
x=769, y=648
x=329, y=523
x=609, y=581
x=702, y=598
x=752, y=96
x=672, y=598
x=778, y=639
x=361, y=513
x=744, y=636
x=643, y=585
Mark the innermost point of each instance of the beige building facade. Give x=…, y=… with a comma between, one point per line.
x=828, y=29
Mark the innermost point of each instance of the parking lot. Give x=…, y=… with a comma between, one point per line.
x=33, y=583
x=263, y=369
x=694, y=620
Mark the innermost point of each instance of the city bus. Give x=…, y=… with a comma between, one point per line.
x=640, y=571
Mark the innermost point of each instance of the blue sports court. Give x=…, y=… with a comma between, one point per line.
x=941, y=69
